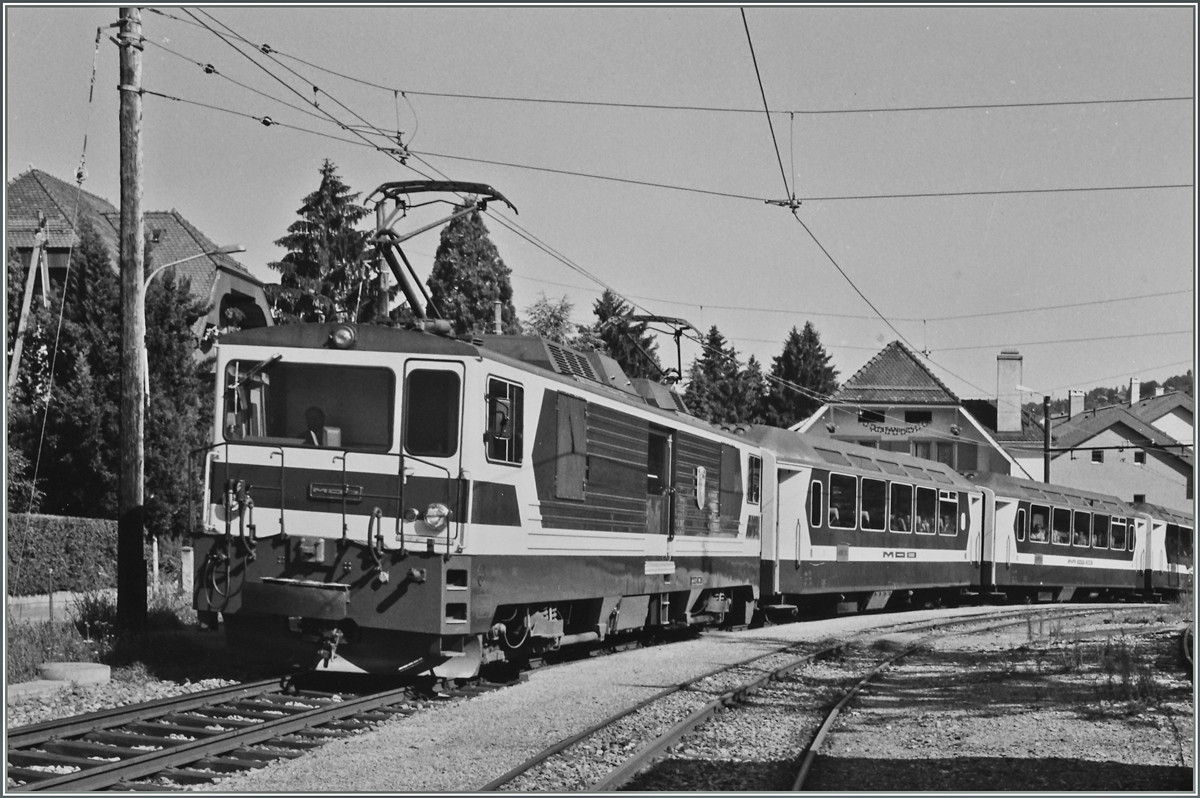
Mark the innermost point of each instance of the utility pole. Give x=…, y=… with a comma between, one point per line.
x=1046, y=438
x=131, y=510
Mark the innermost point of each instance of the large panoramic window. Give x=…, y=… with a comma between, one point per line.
x=275, y=402
x=843, y=499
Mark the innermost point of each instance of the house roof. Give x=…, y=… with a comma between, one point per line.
x=895, y=376
x=984, y=411
x=1153, y=408
x=1076, y=431
x=178, y=239
x=34, y=192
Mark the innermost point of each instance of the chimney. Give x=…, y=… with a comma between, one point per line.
x=1008, y=399
x=1159, y=391
x=1135, y=386
x=498, y=323
x=1075, y=404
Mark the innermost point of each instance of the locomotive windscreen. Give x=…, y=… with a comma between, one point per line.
x=314, y=404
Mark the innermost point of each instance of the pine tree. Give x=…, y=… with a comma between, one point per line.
x=469, y=276
x=803, y=363
x=625, y=341
x=324, y=276
x=713, y=381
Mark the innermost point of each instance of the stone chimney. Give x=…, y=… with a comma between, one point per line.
x=1159, y=390
x=1075, y=404
x=1135, y=387
x=1008, y=399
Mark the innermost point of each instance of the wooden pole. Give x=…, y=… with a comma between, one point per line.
x=131, y=559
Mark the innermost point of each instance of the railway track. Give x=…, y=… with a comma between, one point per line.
x=599, y=758
x=197, y=738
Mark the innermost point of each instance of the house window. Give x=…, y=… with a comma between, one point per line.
x=918, y=416
x=968, y=457
x=945, y=453
x=870, y=417
x=922, y=449
x=1139, y=456
x=1097, y=455
x=505, y=432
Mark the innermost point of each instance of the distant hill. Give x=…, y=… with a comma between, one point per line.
x=1103, y=397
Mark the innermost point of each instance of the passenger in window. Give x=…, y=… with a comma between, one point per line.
x=900, y=523
x=1037, y=532
x=314, y=417
x=833, y=515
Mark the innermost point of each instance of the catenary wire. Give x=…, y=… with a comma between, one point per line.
x=766, y=108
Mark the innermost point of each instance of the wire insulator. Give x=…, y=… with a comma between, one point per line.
x=209, y=69
x=266, y=49
x=268, y=121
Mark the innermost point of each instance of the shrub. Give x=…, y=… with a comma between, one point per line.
x=52, y=552
x=32, y=643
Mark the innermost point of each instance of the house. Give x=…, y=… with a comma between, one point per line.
x=896, y=403
x=1141, y=450
x=40, y=204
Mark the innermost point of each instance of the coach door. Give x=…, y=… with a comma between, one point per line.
x=660, y=483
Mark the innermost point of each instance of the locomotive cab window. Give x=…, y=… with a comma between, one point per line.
x=874, y=504
x=902, y=508
x=754, y=489
x=843, y=499
x=504, y=438
x=276, y=403
x=431, y=413
x=926, y=520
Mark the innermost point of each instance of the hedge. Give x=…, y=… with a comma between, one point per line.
x=53, y=552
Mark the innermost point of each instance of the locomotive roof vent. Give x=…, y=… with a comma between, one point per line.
x=660, y=396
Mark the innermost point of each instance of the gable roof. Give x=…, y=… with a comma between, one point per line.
x=34, y=192
x=1076, y=431
x=1153, y=408
x=984, y=411
x=895, y=376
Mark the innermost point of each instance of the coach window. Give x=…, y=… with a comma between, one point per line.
x=754, y=490
x=1118, y=534
x=843, y=499
x=926, y=519
x=431, y=413
x=1082, y=529
x=902, y=507
x=1019, y=525
x=505, y=428
x=816, y=509
x=1130, y=537
x=1061, y=526
x=1039, y=523
x=1100, y=531
x=948, y=513
x=874, y=504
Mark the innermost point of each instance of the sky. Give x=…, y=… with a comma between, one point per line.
x=1093, y=286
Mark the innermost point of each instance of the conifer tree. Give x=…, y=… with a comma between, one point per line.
x=550, y=319
x=803, y=363
x=713, y=381
x=469, y=276
x=324, y=276
x=624, y=340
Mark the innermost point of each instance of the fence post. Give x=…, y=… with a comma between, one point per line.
x=186, y=560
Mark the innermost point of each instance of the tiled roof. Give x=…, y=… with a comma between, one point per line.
x=895, y=376
x=984, y=411
x=35, y=191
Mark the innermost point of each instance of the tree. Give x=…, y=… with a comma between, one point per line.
x=550, y=319
x=325, y=276
x=624, y=340
x=715, y=386
x=803, y=363
x=469, y=276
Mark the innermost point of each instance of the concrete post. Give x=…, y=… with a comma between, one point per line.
x=186, y=561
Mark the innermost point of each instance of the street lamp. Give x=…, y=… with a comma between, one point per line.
x=157, y=270
x=1046, y=425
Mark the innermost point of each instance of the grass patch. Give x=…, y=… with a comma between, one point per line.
x=168, y=649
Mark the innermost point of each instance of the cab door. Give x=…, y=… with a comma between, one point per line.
x=660, y=483
x=431, y=440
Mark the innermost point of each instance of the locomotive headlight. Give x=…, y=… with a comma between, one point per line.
x=343, y=337
x=436, y=516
